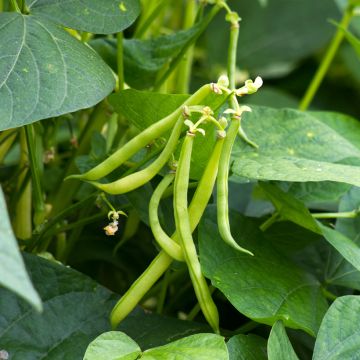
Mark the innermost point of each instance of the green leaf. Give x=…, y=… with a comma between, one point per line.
x=339, y=271
x=274, y=50
x=143, y=59
x=339, y=334
x=282, y=292
x=247, y=347
x=99, y=17
x=195, y=347
x=279, y=346
x=77, y=305
x=12, y=269
x=296, y=146
x=290, y=208
x=113, y=345
x=45, y=72
x=294, y=210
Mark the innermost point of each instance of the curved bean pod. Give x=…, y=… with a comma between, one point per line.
x=141, y=177
x=141, y=140
x=222, y=187
x=166, y=242
x=182, y=222
x=162, y=261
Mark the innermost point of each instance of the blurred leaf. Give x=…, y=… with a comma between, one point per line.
x=339, y=335
x=45, y=72
x=275, y=36
x=143, y=59
x=12, y=269
x=99, y=17
x=291, y=209
x=279, y=346
x=247, y=347
x=283, y=292
x=297, y=146
x=113, y=345
x=339, y=271
x=195, y=347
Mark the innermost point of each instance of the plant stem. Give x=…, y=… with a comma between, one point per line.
x=7, y=138
x=327, y=60
x=184, y=70
x=338, y=215
x=232, y=53
x=23, y=223
x=329, y=295
x=271, y=220
x=15, y=6
x=171, y=67
x=39, y=205
x=120, y=61
x=196, y=309
x=163, y=291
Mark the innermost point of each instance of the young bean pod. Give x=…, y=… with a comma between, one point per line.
x=222, y=187
x=141, y=140
x=182, y=222
x=166, y=242
x=162, y=261
x=141, y=177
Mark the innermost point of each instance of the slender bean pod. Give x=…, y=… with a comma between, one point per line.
x=141, y=177
x=166, y=242
x=222, y=187
x=162, y=261
x=141, y=140
x=182, y=222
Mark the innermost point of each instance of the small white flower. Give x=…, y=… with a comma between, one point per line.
x=223, y=81
x=250, y=87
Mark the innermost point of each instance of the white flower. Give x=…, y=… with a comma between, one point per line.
x=250, y=87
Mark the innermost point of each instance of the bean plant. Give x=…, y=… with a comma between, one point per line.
x=179, y=179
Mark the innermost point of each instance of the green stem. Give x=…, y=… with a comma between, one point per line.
x=7, y=139
x=338, y=215
x=196, y=309
x=39, y=205
x=163, y=291
x=120, y=61
x=232, y=53
x=327, y=60
x=15, y=6
x=271, y=220
x=184, y=70
x=173, y=64
x=23, y=222
x=329, y=295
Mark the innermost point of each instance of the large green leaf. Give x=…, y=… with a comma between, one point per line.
x=267, y=287
x=143, y=59
x=196, y=347
x=247, y=347
x=45, y=72
x=294, y=210
x=113, y=345
x=76, y=310
x=118, y=346
x=272, y=38
x=279, y=346
x=339, y=334
x=297, y=146
x=99, y=17
x=339, y=271
x=12, y=269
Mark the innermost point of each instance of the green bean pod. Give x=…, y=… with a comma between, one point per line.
x=162, y=261
x=182, y=222
x=222, y=188
x=141, y=177
x=141, y=140
x=166, y=242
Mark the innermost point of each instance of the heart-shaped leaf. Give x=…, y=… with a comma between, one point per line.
x=45, y=72
x=99, y=17
x=247, y=347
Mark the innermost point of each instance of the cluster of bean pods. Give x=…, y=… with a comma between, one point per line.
x=180, y=246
